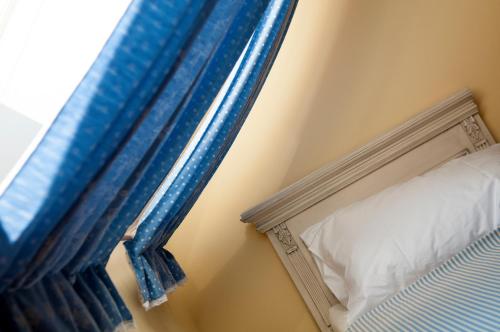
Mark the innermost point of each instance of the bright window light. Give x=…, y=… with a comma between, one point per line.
x=46, y=47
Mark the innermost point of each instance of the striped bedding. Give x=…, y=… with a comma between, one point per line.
x=463, y=294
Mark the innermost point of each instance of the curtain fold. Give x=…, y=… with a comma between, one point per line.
x=125, y=127
x=88, y=303
x=185, y=183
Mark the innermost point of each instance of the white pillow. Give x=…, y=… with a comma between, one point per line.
x=373, y=248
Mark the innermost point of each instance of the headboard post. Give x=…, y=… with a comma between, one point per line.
x=317, y=297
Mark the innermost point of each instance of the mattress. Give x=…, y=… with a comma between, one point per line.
x=463, y=294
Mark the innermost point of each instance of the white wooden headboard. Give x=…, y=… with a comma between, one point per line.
x=448, y=130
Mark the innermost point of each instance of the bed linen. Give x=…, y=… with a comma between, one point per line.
x=337, y=314
x=463, y=294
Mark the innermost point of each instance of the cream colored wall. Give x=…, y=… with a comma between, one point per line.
x=349, y=70
x=391, y=59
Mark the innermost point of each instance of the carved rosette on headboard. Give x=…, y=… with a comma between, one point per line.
x=476, y=136
x=285, y=237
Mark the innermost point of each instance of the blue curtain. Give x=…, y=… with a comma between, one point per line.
x=118, y=136
x=156, y=270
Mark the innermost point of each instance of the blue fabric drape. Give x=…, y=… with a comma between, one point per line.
x=112, y=144
x=156, y=270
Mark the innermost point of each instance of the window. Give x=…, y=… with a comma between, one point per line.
x=46, y=46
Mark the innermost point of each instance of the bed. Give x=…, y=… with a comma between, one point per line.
x=451, y=129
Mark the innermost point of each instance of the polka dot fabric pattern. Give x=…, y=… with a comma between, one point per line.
x=125, y=128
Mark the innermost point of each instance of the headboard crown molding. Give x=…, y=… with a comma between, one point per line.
x=458, y=109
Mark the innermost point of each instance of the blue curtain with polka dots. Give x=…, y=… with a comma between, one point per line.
x=156, y=270
x=147, y=118
x=125, y=127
